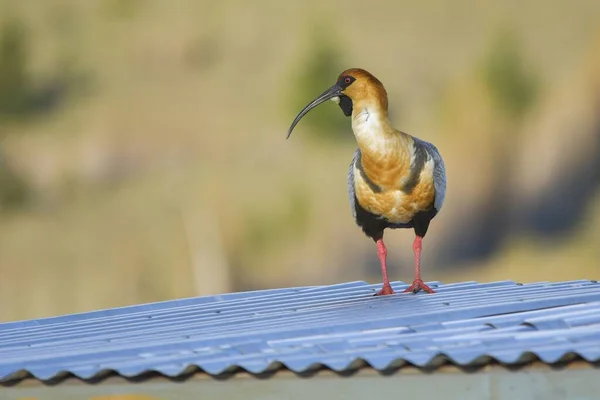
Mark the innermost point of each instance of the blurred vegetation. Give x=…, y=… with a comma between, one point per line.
x=313, y=74
x=513, y=86
x=174, y=179
x=14, y=97
x=22, y=96
x=15, y=82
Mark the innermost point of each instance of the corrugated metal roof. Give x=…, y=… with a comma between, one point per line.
x=340, y=327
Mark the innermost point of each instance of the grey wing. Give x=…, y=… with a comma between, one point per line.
x=351, y=191
x=439, y=174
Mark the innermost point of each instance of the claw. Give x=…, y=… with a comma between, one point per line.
x=418, y=285
x=385, y=291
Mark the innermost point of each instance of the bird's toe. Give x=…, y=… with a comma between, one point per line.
x=385, y=291
x=417, y=286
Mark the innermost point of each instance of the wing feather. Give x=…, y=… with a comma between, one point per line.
x=439, y=173
x=351, y=190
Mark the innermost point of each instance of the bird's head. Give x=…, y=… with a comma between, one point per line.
x=353, y=89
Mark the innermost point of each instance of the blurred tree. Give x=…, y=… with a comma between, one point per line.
x=14, y=87
x=14, y=78
x=513, y=89
x=316, y=73
x=19, y=97
x=512, y=86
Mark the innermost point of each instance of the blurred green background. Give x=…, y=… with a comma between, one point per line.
x=143, y=153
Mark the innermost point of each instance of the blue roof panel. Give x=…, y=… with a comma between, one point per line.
x=338, y=326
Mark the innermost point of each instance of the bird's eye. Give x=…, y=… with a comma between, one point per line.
x=347, y=80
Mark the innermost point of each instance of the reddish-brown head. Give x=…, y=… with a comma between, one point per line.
x=354, y=88
x=362, y=86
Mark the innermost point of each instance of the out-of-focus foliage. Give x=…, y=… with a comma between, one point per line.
x=15, y=84
x=14, y=97
x=513, y=86
x=20, y=96
x=312, y=75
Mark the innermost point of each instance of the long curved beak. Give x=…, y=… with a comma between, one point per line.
x=330, y=93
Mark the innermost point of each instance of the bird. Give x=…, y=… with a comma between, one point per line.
x=395, y=180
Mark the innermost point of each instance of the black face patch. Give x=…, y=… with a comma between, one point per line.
x=346, y=105
x=345, y=81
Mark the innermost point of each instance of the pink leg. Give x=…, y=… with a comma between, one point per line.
x=418, y=283
x=382, y=253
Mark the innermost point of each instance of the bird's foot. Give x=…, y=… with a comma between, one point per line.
x=418, y=285
x=385, y=290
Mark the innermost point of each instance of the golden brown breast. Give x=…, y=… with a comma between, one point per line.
x=381, y=186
